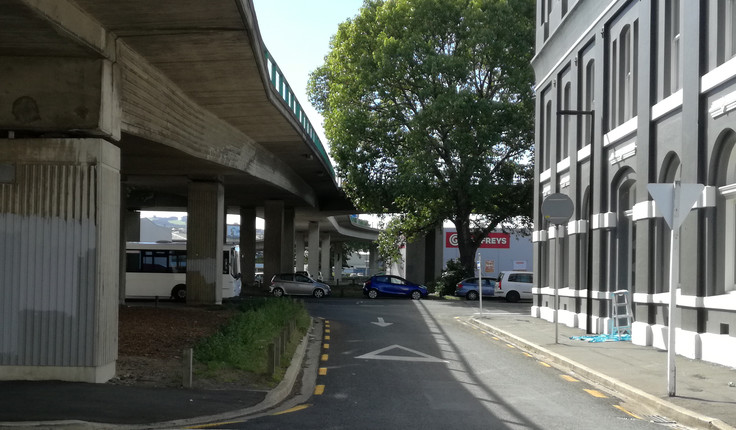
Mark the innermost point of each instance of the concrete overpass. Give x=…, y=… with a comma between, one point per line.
x=111, y=106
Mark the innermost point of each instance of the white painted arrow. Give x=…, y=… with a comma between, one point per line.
x=381, y=323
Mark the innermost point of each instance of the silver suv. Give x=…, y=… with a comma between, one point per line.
x=298, y=285
x=514, y=285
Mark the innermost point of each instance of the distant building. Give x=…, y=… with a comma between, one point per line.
x=499, y=251
x=631, y=93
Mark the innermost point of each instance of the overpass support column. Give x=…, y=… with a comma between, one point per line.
x=273, y=238
x=313, y=250
x=338, y=264
x=248, y=248
x=372, y=259
x=287, y=246
x=59, y=259
x=325, y=266
x=299, y=245
x=205, y=232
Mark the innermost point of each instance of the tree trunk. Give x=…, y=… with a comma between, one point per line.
x=465, y=244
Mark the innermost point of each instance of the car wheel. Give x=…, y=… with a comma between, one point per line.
x=372, y=293
x=512, y=296
x=319, y=293
x=472, y=295
x=416, y=295
x=179, y=293
x=278, y=292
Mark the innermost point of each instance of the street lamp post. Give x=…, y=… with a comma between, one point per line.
x=589, y=287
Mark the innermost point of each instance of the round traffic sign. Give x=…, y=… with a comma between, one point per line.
x=557, y=208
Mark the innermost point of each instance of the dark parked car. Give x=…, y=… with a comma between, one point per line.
x=468, y=288
x=298, y=285
x=392, y=285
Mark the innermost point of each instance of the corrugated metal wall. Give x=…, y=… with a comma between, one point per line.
x=51, y=298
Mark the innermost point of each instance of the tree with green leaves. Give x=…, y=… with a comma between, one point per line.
x=429, y=111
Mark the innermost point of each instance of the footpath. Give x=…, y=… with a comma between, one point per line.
x=705, y=393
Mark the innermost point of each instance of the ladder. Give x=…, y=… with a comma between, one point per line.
x=621, y=316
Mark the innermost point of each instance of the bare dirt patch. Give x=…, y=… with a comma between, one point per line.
x=152, y=340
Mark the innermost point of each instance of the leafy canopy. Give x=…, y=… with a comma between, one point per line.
x=428, y=108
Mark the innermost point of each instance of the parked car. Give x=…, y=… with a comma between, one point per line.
x=468, y=288
x=392, y=285
x=514, y=285
x=297, y=285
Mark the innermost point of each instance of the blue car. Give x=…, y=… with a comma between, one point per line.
x=391, y=285
x=468, y=288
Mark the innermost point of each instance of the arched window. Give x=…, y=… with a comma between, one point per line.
x=623, y=263
x=546, y=162
x=588, y=102
x=563, y=150
x=726, y=31
x=725, y=225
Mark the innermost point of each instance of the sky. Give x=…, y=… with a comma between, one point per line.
x=297, y=33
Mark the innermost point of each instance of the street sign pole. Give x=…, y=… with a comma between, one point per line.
x=673, y=202
x=480, y=286
x=557, y=209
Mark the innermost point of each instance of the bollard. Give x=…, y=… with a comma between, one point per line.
x=271, y=359
x=187, y=368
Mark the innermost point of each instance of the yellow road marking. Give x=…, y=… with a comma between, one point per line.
x=319, y=390
x=528, y=355
x=327, y=337
x=327, y=346
x=544, y=364
x=324, y=357
x=327, y=321
x=327, y=330
x=294, y=409
x=626, y=412
x=322, y=371
x=224, y=423
x=510, y=345
x=596, y=393
x=568, y=378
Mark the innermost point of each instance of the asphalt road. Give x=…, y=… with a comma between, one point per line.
x=402, y=364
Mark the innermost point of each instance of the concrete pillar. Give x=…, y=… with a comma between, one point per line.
x=273, y=238
x=372, y=259
x=325, y=266
x=205, y=232
x=299, y=246
x=287, y=242
x=59, y=259
x=338, y=265
x=248, y=248
x=313, y=250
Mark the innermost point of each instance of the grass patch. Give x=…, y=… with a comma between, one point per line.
x=241, y=346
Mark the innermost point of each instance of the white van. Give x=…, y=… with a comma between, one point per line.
x=514, y=285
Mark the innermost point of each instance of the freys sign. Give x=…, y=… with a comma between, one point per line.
x=493, y=240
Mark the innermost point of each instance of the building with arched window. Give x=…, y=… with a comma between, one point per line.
x=631, y=93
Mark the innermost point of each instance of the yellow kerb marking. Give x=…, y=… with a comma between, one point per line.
x=327, y=346
x=510, y=345
x=596, y=393
x=327, y=330
x=528, y=355
x=319, y=390
x=568, y=378
x=324, y=357
x=495, y=338
x=294, y=409
x=327, y=337
x=627, y=412
x=322, y=371
x=544, y=364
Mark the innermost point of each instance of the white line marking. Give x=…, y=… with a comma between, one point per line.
x=419, y=356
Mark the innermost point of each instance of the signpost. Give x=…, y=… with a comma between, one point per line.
x=557, y=209
x=480, y=285
x=673, y=202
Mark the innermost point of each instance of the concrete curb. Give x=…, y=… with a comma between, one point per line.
x=675, y=412
x=274, y=397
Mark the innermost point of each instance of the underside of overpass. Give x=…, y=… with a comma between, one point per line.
x=113, y=106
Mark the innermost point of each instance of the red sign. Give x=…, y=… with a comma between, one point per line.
x=493, y=240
